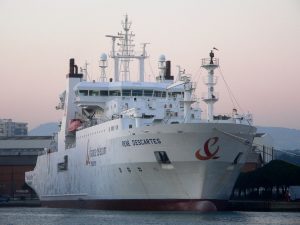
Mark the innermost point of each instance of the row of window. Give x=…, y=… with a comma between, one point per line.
x=129, y=169
x=127, y=92
x=112, y=128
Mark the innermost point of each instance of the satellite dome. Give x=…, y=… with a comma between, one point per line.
x=103, y=57
x=162, y=58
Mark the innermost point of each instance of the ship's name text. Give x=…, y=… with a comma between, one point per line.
x=149, y=141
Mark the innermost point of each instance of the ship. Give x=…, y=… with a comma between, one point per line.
x=141, y=145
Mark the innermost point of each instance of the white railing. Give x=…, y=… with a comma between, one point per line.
x=209, y=61
x=215, y=95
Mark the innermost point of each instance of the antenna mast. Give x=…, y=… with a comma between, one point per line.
x=126, y=53
x=210, y=98
x=126, y=49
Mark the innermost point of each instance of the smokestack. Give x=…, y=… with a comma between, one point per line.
x=73, y=70
x=72, y=63
x=168, y=71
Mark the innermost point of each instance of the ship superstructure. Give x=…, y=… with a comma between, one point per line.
x=140, y=145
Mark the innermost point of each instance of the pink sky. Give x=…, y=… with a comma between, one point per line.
x=259, y=44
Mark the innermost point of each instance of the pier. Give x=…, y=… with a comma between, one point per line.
x=264, y=206
x=21, y=203
x=234, y=205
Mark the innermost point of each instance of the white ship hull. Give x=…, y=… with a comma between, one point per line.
x=119, y=170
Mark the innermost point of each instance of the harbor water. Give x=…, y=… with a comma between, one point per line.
x=51, y=216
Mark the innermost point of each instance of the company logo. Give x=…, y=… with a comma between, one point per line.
x=210, y=150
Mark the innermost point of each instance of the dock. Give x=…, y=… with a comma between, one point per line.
x=264, y=206
x=21, y=203
x=234, y=205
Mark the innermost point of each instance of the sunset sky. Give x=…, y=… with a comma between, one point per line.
x=258, y=42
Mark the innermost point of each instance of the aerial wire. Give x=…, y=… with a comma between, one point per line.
x=230, y=92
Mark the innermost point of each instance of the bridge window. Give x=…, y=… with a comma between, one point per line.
x=176, y=94
x=126, y=92
x=148, y=93
x=157, y=93
x=83, y=92
x=137, y=92
x=115, y=93
x=93, y=93
x=160, y=94
x=103, y=93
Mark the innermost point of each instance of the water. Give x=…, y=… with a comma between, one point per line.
x=49, y=216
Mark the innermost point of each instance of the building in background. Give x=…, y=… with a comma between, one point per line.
x=9, y=128
x=18, y=154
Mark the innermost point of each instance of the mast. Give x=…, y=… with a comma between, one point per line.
x=142, y=59
x=210, y=98
x=114, y=56
x=126, y=52
x=126, y=49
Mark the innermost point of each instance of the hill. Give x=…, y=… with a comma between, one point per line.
x=45, y=129
x=284, y=138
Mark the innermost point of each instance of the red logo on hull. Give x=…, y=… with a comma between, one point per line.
x=207, y=151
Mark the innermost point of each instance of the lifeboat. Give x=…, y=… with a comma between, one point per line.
x=74, y=124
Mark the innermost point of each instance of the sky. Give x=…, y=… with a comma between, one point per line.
x=258, y=42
